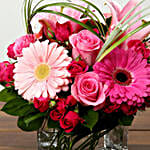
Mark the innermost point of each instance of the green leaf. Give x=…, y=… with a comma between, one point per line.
x=130, y=25
x=32, y=126
x=123, y=39
x=31, y=117
x=37, y=5
x=18, y=107
x=7, y=95
x=117, y=29
x=91, y=119
x=52, y=124
x=25, y=13
x=126, y=120
x=95, y=7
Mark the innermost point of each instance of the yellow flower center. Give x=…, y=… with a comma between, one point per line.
x=42, y=72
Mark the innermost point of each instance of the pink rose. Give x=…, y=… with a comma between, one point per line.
x=139, y=47
x=89, y=90
x=85, y=44
x=15, y=49
x=77, y=67
x=41, y=103
x=69, y=122
x=6, y=71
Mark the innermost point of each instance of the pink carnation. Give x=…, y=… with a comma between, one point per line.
x=15, y=49
x=88, y=90
x=139, y=47
x=6, y=71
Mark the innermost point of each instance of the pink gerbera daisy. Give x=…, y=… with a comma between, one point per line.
x=126, y=74
x=41, y=71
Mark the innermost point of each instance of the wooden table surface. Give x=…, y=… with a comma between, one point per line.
x=12, y=138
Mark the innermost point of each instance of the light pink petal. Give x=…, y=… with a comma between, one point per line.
x=115, y=12
x=52, y=82
x=55, y=55
x=51, y=48
x=45, y=49
x=51, y=91
x=128, y=7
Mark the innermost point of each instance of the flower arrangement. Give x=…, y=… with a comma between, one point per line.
x=77, y=73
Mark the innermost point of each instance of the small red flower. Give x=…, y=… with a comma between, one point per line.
x=77, y=68
x=10, y=52
x=147, y=102
x=59, y=111
x=6, y=71
x=110, y=107
x=41, y=103
x=128, y=110
x=70, y=121
x=71, y=101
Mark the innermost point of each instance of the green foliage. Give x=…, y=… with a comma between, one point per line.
x=34, y=116
x=18, y=107
x=123, y=39
x=126, y=120
x=122, y=26
x=90, y=120
x=52, y=124
x=15, y=104
x=32, y=126
x=8, y=94
x=30, y=119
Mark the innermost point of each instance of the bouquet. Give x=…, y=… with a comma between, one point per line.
x=78, y=72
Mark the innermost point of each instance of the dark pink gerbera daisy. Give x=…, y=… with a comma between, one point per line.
x=126, y=74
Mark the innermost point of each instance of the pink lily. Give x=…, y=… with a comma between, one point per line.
x=117, y=14
x=58, y=24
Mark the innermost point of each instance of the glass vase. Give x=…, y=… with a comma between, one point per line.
x=46, y=139
x=53, y=139
x=116, y=139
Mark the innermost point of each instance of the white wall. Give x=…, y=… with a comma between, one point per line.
x=12, y=23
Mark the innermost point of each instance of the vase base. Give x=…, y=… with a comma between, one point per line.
x=114, y=148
